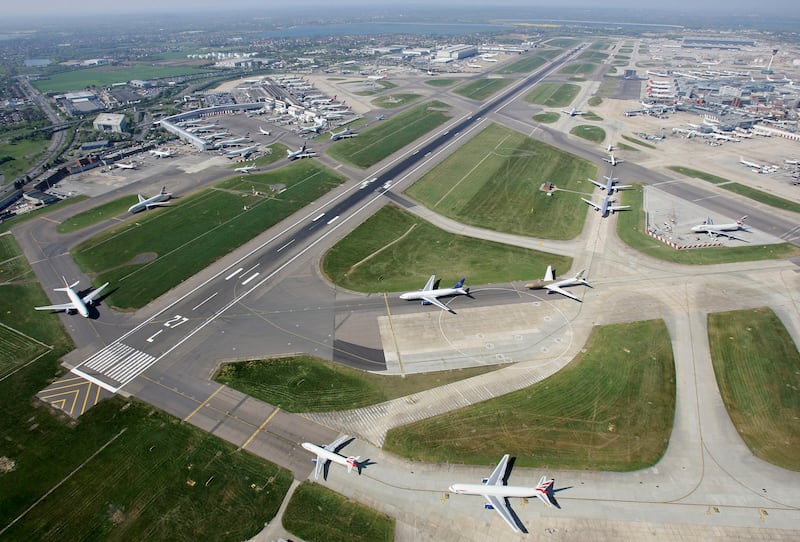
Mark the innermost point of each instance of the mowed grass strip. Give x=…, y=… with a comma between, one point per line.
x=546, y=118
x=553, y=94
x=317, y=514
x=440, y=82
x=494, y=182
x=394, y=251
x=595, y=134
x=757, y=366
x=480, y=89
x=395, y=100
x=13, y=265
x=631, y=228
x=611, y=408
x=155, y=251
x=308, y=384
x=97, y=214
x=107, y=75
x=384, y=138
x=525, y=65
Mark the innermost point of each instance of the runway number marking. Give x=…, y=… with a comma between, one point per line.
x=176, y=321
x=154, y=335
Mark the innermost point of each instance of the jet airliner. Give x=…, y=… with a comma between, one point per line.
x=430, y=294
x=154, y=201
x=552, y=285
x=76, y=303
x=328, y=454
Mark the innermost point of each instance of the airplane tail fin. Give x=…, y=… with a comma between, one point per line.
x=352, y=461
x=741, y=220
x=460, y=283
x=163, y=190
x=546, y=491
x=549, y=275
x=67, y=286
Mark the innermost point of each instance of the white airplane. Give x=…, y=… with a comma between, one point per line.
x=161, y=154
x=573, y=112
x=430, y=295
x=344, y=134
x=76, y=303
x=263, y=131
x=496, y=493
x=244, y=153
x=317, y=128
x=747, y=163
x=147, y=203
x=302, y=152
x=246, y=169
x=330, y=453
x=610, y=185
x=233, y=142
x=716, y=230
x=612, y=160
x=606, y=207
x=121, y=165
x=216, y=135
x=552, y=285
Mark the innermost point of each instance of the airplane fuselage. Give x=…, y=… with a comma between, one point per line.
x=76, y=300
x=143, y=205
x=327, y=455
x=496, y=491
x=442, y=292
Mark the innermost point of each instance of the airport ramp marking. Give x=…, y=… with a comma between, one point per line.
x=73, y=395
x=260, y=428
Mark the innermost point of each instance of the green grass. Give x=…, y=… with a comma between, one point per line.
x=385, y=138
x=493, y=181
x=595, y=101
x=525, y=65
x=639, y=142
x=308, y=384
x=96, y=215
x=441, y=82
x=142, y=262
x=547, y=118
x=395, y=100
x=624, y=147
x=480, y=89
x=317, y=514
x=591, y=115
x=11, y=222
x=583, y=68
x=741, y=189
x=17, y=157
x=108, y=75
x=595, y=57
x=13, y=266
x=611, y=408
x=756, y=365
x=553, y=94
x=631, y=229
x=595, y=134
x=396, y=251
x=562, y=43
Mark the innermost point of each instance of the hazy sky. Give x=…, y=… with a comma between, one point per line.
x=45, y=8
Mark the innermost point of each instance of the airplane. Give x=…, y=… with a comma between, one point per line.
x=550, y=283
x=610, y=186
x=330, y=453
x=263, y=131
x=216, y=135
x=496, y=493
x=612, y=160
x=154, y=201
x=747, y=163
x=430, y=293
x=610, y=148
x=233, y=142
x=317, y=128
x=161, y=154
x=121, y=165
x=76, y=303
x=716, y=230
x=244, y=153
x=344, y=134
x=606, y=206
x=573, y=112
x=246, y=169
x=302, y=152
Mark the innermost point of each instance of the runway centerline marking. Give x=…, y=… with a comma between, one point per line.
x=286, y=245
x=209, y=298
x=204, y=403
x=260, y=427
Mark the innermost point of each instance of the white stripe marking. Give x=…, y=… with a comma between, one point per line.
x=209, y=298
x=248, y=279
x=229, y=277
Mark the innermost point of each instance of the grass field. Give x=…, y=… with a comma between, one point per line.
x=143, y=263
x=108, y=75
x=594, y=101
x=595, y=134
x=493, y=182
x=553, y=94
x=562, y=43
x=547, y=118
x=391, y=252
x=595, y=57
x=741, y=189
x=638, y=141
x=317, y=514
x=96, y=215
x=611, y=408
x=395, y=100
x=11, y=222
x=756, y=366
x=480, y=89
x=17, y=157
x=582, y=68
x=441, y=82
x=384, y=138
x=631, y=229
x=525, y=65
x=592, y=116
x=307, y=384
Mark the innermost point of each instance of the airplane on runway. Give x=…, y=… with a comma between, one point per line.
x=610, y=185
x=430, y=294
x=161, y=154
x=606, y=207
x=302, y=152
x=344, y=134
x=613, y=160
x=328, y=454
x=552, y=285
x=154, y=201
x=573, y=112
x=76, y=303
x=496, y=493
x=716, y=230
x=246, y=169
x=263, y=131
x=244, y=153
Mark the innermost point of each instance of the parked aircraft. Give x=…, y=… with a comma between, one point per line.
x=122, y=165
x=496, y=493
x=716, y=230
x=430, y=294
x=330, y=453
x=154, y=201
x=302, y=152
x=606, y=207
x=344, y=134
x=316, y=128
x=550, y=283
x=610, y=185
x=263, y=131
x=233, y=142
x=216, y=135
x=161, y=154
x=76, y=303
x=612, y=160
x=244, y=153
x=747, y=163
x=573, y=112
x=246, y=169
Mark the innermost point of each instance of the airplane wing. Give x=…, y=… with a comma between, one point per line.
x=593, y=204
x=615, y=208
x=321, y=465
x=730, y=235
x=90, y=297
x=601, y=185
x=62, y=307
x=496, y=478
x=334, y=446
x=433, y=301
x=502, y=508
x=158, y=204
x=555, y=289
x=429, y=285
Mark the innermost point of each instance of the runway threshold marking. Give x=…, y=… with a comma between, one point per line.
x=204, y=403
x=260, y=427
